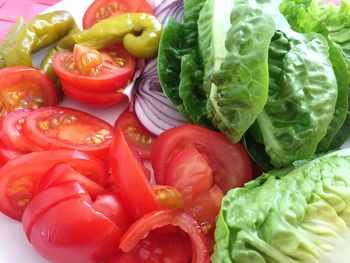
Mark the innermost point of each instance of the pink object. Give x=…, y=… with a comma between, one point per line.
x=11, y=9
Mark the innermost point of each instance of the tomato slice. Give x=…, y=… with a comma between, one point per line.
x=168, y=197
x=130, y=179
x=98, y=100
x=111, y=71
x=62, y=173
x=24, y=87
x=11, y=132
x=72, y=230
x=189, y=173
x=141, y=228
x=102, y=9
x=158, y=248
x=137, y=137
x=6, y=154
x=65, y=128
x=229, y=162
x=19, y=177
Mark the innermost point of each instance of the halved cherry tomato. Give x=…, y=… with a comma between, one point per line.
x=65, y=128
x=158, y=248
x=62, y=173
x=109, y=70
x=98, y=100
x=230, y=162
x=130, y=179
x=102, y=9
x=24, y=87
x=70, y=229
x=189, y=173
x=141, y=228
x=137, y=137
x=11, y=132
x=19, y=177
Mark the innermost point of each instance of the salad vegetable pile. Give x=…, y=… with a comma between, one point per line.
x=217, y=91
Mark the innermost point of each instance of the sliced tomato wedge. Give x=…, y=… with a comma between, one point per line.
x=11, y=132
x=141, y=229
x=102, y=9
x=19, y=177
x=130, y=179
x=137, y=137
x=108, y=70
x=229, y=162
x=98, y=100
x=62, y=225
x=65, y=128
x=62, y=173
x=189, y=173
x=158, y=248
x=25, y=87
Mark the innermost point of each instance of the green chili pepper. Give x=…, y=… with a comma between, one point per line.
x=140, y=34
x=67, y=42
x=40, y=32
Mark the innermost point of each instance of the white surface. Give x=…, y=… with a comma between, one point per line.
x=14, y=248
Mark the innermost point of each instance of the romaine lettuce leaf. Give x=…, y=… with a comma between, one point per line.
x=302, y=97
x=290, y=215
x=234, y=47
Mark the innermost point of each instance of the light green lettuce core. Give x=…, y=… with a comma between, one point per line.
x=292, y=215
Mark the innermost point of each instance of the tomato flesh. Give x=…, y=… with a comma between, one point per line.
x=64, y=128
x=229, y=162
x=189, y=173
x=158, y=248
x=24, y=87
x=11, y=132
x=137, y=137
x=112, y=75
x=141, y=228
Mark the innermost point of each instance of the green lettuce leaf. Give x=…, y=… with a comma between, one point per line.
x=298, y=214
x=180, y=67
x=234, y=48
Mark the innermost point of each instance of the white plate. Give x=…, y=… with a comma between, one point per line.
x=14, y=248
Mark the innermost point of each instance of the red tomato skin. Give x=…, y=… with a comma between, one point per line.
x=189, y=173
x=112, y=82
x=131, y=128
x=72, y=231
x=128, y=174
x=157, y=248
x=11, y=76
x=110, y=205
x=62, y=173
x=39, y=204
x=20, y=177
x=33, y=130
x=230, y=162
x=142, y=227
x=11, y=132
x=98, y=100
